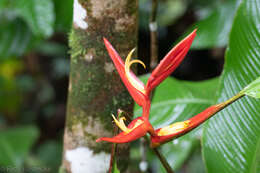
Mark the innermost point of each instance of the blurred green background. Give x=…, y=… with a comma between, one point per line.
x=34, y=68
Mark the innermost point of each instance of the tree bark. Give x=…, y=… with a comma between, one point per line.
x=95, y=89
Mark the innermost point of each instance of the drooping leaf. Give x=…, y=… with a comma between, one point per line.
x=15, y=145
x=231, y=139
x=253, y=89
x=173, y=101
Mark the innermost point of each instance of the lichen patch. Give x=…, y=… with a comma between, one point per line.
x=106, y=8
x=123, y=23
x=109, y=67
x=95, y=127
x=78, y=130
x=83, y=159
x=70, y=86
x=79, y=15
x=88, y=57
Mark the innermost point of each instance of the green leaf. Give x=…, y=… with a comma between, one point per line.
x=15, y=38
x=115, y=169
x=231, y=139
x=213, y=30
x=15, y=145
x=64, y=12
x=38, y=14
x=177, y=151
x=50, y=154
x=173, y=101
x=195, y=163
x=253, y=89
x=176, y=100
x=167, y=13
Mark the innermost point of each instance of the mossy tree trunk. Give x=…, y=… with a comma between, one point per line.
x=95, y=89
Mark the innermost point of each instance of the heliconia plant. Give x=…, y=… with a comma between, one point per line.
x=140, y=92
x=141, y=95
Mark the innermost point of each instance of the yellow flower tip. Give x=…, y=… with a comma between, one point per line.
x=173, y=128
x=122, y=125
x=139, y=86
x=123, y=118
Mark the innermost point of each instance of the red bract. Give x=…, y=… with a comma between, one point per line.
x=175, y=130
x=136, y=129
x=170, y=62
x=140, y=93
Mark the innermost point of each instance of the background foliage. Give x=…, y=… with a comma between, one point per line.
x=34, y=67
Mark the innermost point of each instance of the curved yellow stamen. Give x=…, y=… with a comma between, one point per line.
x=173, y=128
x=122, y=125
x=131, y=79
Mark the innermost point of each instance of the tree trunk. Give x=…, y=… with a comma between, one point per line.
x=95, y=89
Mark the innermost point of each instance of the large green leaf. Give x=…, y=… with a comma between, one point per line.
x=38, y=14
x=176, y=100
x=15, y=144
x=15, y=38
x=231, y=139
x=213, y=30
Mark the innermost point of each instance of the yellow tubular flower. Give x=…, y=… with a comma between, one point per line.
x=173, y=128
x=122, y=125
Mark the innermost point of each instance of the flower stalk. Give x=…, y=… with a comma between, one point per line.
x=163, y=161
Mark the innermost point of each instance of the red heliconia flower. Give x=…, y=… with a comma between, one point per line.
x=140, y=92
x=177, y=129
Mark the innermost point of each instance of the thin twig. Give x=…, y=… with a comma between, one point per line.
x=120, y=113
x=153, y=35
x=114, y=145
x=112, y=156
x=113, y=152
x=163, y=161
